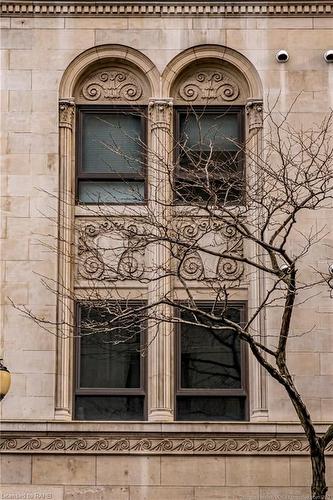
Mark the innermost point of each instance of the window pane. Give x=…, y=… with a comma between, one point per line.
x=111, y=143
x=210, y=358
x=209, y=131
x=111, y=192
x=109, y=353
x=210, y=408
x=109, y=408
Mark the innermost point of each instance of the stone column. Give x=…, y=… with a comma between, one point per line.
x=160, y=352
x=65, y=303
x=258, y=379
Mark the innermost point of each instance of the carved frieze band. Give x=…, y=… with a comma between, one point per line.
x=112, y=85
x=115, y=250
x=231, y=9
x=153, y=445
x=208, y=87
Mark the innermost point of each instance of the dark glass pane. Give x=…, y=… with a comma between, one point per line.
x=202, y=131
x=111, y=143
x=210, y=167
x=210, y=358
x=109, y=351
x=210, y=408
x=109, y=408
x=111, y=192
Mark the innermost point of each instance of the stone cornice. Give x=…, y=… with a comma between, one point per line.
x=243, y=8
x=128, y=443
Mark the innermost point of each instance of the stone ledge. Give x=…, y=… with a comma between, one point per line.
x=160, y=8
x=151, y=444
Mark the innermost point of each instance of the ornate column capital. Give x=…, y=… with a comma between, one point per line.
x=66, y=112
x=160, y=111
x=254, y=112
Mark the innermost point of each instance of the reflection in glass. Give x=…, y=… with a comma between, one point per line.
x=109, y=408
x=210, y=358
x=108, y=357
x=210, y=408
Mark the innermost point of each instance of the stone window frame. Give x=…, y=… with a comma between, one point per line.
x=160, y=116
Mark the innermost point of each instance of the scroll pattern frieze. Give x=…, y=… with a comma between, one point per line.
x=110, y=250
x=153, y=445
x=209, y=87
x=116, y=250
x=112, y=85
x=195, y=262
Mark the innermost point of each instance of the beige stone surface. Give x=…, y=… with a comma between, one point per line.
x=15, y=469
x=193, y=471
x=300, y=471
x=63, y=470
x=124, y=470
x=226, y=493
x=161, y=493
x=261, y=471
x=96, y=493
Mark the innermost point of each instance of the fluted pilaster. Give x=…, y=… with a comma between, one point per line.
x=65, y=303
x=160, y=398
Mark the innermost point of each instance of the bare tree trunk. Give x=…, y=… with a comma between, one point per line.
x=318, y=487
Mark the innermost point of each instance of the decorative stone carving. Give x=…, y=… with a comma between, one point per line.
x=199, y=265
x=66, y=113
x=110, y=250
x=254, y=112
x=160, y=113
x=209, y=86
x=242, y=8
x=192, y=267
x=192, y=444
x=112, y=85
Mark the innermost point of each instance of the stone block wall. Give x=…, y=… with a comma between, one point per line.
x=158, y=478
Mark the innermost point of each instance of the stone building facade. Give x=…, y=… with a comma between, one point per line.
x=57, y=59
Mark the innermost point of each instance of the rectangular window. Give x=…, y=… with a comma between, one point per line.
x=211, y=368
x=111, y=155
x=109, y=365
x=210, y=163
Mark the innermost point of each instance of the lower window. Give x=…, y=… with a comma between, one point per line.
x=110, y=381
x=211, y=368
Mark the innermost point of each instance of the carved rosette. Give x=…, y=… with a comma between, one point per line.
x=254, y=112
x=66, y=113
x=209, y=86
x=112, y=85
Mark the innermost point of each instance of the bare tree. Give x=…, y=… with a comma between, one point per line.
x=220, y=225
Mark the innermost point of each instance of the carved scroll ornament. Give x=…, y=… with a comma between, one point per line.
x=190, y=444
x=208, y=86
x=110, y=251
x=112, y=85
x=198, y=265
